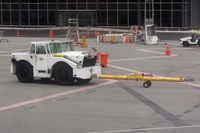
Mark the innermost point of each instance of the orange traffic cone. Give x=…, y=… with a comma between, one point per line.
x=51, y=33
x=17, y=33
x=75, y=41
x=88, y=35
x=95, y=34
x=135, y=30
x=126, y=41
x=168, y=52
x=83, y=45
x=111, y=41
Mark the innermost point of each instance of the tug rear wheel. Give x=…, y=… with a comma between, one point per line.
x=24, y=72
x=147, y=84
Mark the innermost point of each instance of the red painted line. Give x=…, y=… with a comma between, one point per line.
x=191, y=84
x=55, y=95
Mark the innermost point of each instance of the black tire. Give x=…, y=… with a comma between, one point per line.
x=63, y=74
x=83, y=81
x=24, y=72
x=147, y=84
x=198, y=43
x=45, y=79
x=186, y=44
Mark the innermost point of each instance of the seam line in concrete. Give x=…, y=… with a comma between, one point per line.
x=167, y=115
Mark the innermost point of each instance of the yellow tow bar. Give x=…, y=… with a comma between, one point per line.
x=142, y=77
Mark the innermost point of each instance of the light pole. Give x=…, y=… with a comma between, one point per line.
x=145, y=12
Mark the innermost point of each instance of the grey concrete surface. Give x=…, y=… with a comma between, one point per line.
x=119, y=106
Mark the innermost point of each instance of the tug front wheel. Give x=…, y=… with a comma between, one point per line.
x=83, y=81
x=147, y=84
x=63, y=74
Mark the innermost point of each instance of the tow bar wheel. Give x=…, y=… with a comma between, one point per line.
x=147, y=84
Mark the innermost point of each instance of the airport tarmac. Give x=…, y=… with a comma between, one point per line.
x=105, y=106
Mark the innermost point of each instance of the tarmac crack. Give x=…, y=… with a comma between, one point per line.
x=167, y=115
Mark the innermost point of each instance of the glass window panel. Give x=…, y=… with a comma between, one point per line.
x=52, y=18
x=33, y=6
x=133, y=17
x=42, y=6
x=81, y=6
x=92, y=1
x=122, y=6
x=24, y=6
x=6, y=17
x=52, y=6
x=157, y=18
x=81, y=1
x=112, y=18
x=166, y=6
x=133, y=6
x=123, y=21
x=51, y=1
x=42, y=1
x=72, y=6
x=24, y=17
x=177, y=19
x=33, y=18
x=62, y=6
x=102, y=18
x=23, y=1
x=91, y=6
x=15, y=6
x=166, y=19
x=43, y=17
x=14, y=1
x=177, y=6
x=32, y=49
x=62, y=1
x=112, y=6
x=40, y=50
x=15, y=17
x=102, y=6
x=124, y=1
x=5, y=1
x=157, y=6
x=33, y=1
x=6, y=6
x=112, y=0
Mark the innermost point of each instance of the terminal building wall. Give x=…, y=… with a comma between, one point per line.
x=121, y=13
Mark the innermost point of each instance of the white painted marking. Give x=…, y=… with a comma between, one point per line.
x=140, y=58
x=150, y=51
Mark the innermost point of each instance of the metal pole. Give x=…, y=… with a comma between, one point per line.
x=145, y=14
x=153, y=11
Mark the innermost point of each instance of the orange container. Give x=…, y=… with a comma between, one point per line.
x=104, y=60
x=98, y=54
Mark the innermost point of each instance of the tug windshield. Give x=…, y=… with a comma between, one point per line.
x=61, y=47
